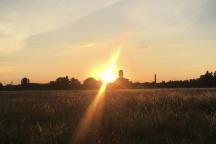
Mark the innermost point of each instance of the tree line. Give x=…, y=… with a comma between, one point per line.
x=61, y=83
x=206, y=80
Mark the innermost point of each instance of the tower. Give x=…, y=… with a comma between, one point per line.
x=121, y=73
x=25, y=81
x=155, y=78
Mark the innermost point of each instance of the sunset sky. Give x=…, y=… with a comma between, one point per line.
x=44, y=39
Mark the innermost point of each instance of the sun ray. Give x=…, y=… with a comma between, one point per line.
x=94, y=111
x=108, y=75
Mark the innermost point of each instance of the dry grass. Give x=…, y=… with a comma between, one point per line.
x=184, y=116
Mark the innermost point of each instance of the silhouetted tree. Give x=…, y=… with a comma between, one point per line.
x=75, y=83
x=62, y=83
x=206, y=80
x=25, y=82
x=91, y=83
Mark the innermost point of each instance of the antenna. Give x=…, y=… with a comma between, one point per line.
x=155, y=78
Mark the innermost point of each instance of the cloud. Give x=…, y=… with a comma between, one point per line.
x=22, y=19
x=88, y=45
x=10, y=40
x=208, y=16
x=146, y=18
x=68, y=49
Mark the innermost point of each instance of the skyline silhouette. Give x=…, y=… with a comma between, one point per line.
x=206, y=80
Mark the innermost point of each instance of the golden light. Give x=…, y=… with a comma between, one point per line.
x=94, y=111
x=108, y=76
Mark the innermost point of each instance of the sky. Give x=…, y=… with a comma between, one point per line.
x=45, y=39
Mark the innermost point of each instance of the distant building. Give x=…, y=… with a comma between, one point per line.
x=121, y=73
x=122, y=82
x=25, y=81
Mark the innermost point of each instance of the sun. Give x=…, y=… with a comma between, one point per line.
x=108, y=76
x=107, y=72
x=94, y=111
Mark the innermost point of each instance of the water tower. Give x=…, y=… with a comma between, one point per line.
x=121, y=73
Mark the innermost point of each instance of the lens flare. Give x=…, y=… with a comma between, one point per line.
x=94, y=111
x=109, y=75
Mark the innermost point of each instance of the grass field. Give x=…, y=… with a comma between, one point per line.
x=184, y=116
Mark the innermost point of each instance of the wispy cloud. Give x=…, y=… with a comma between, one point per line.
x=24, y=18
x=88, y=45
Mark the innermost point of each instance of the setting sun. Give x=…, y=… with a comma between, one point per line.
x=108, y=76
x=96, y=106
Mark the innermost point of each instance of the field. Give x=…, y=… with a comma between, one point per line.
x=177, y=116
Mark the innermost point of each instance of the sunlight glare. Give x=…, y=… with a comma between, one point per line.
x=94, y=111
x=109, y=75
